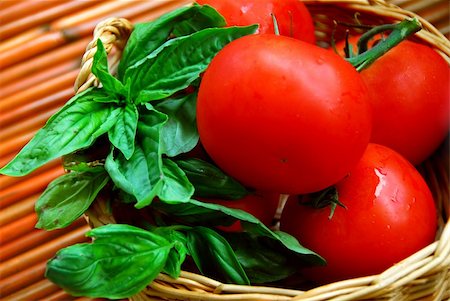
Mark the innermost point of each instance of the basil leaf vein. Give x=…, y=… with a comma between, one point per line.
x=179, y=62
x=123, y=133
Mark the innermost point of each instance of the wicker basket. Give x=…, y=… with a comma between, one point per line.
x=423, y=276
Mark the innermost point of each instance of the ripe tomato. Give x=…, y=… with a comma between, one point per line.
x=263, y=206
x=410, y=91
x=389, y=215
x=279, y=114
x=292, y=16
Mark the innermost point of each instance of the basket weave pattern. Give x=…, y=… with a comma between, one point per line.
x=424, y=275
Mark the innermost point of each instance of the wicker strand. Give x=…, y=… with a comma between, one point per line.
x=113, y=33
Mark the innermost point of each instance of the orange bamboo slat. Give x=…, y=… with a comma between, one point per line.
x=28, y=187
x=59, y=295
x=11, y=147
x=32, y=125
x=36, y=92
x=36, y=291
x=6, y=181
x=60, y=55
x=34, y=238
x=24, y=8
x=42, y=252
x=17, y=211
x=24, y=37
x=62, y=8
x=21, y=279
x=100, y=11
x=17, y=228
x=50, y=102
x=8, y=3
x=34, y=47
x=38, y=78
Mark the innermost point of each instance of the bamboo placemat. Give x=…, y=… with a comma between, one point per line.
x=41, y=44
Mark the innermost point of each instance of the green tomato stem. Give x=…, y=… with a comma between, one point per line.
x=275, y=25
x=399, y=32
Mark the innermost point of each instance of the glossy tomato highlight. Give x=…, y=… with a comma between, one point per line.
x=282, y=115
x=389, y=215
x=292, y=16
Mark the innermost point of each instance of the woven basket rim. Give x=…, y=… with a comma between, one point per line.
x=433, y=261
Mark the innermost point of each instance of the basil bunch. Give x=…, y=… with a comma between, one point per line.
x=143, y=119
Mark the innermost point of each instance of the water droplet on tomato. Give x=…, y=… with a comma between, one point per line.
x=245, y=9
x=381, y=171
x=382, y=182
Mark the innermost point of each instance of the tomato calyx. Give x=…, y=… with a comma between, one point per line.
x=324, y=198
x=398, y=33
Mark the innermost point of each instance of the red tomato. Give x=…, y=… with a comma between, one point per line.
x=292, y=16
x=409, y=87
x=279, y=114
x=263, y=206
x=390, y=215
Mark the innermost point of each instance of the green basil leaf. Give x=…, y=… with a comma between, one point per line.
x=211, y=182
x=123, y=132
x=140, y=175
x=263, y=260
x=192, y=213
x=107, y=98
x=101, y=71
x=120, y=262
x=68, y=197
x=145, y=174
x=201, y=213
x=177, y=254
x=146, y=37
x=179, y=62
x=75, y=126
x=205, y=17
x=214, y=257
x=179, y=134
x=291, y=243
x=176, y=186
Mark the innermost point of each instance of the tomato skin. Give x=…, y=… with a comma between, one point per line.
x=390, y=215
x=261, y=205
x=279, y=114
x=293, y=18
x=410, y=93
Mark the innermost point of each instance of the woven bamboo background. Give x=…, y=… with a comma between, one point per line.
x=41, y=44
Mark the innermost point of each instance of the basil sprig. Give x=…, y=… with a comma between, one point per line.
x=119, y=263
x=105, y=267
